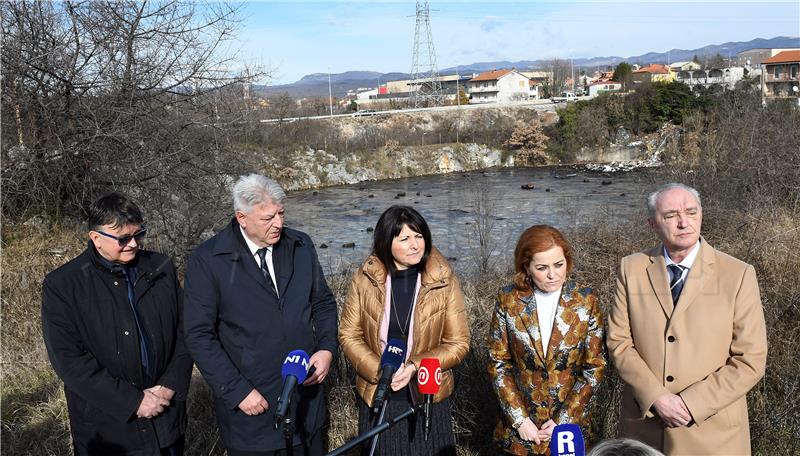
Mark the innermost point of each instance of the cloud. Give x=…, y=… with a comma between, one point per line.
x=490, y=23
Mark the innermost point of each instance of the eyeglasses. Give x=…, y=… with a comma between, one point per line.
x=125, y=240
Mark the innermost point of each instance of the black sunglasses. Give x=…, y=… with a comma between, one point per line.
x=125, y=240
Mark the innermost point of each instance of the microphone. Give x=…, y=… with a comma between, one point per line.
x=294, y=370
x=567, y=440
x=429, y=379
x=393, y=356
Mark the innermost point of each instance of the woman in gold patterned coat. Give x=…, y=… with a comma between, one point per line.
x=546, y=346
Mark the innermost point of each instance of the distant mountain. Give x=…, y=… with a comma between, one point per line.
x=316, y=84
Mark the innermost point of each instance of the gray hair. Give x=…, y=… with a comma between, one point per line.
x=623, y=447
x=254, y=189
x=652, y=199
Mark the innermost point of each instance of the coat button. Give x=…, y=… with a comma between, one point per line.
x=671, y=338
x=670, y=378
x=126, y=333
x=116, y=283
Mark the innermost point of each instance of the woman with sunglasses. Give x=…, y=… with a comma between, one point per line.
x=111, y=322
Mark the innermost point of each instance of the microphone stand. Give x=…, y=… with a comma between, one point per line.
x=380, y=420
x=288, y=429
x=374, y=431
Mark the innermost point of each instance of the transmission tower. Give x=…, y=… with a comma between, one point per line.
x=426, y=86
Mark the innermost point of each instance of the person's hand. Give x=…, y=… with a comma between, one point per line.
x=321, y=361
x=672, y=410
x=403, y=375
x=151, y=405
x=528, y=431
x=254, y=404
x=162, y=391
x=546, y=431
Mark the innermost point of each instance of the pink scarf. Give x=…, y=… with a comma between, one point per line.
x=387, y=310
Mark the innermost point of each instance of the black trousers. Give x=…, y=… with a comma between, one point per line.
x=315, y=448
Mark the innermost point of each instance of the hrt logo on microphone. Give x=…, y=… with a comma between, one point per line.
x=394, y=350
x=567, y=440
x=296, y=359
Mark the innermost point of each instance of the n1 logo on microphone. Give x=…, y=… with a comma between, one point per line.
x=296, y=359
x=567, y=440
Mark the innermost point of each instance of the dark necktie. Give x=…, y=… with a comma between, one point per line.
x=131, y=274
x=676, y=283
x=262, y=255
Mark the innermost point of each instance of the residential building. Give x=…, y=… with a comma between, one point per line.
x=655, y=72
x=780, y=75
x=724, y=77
x=754, y=57
x=598, y=87
x=684, y=66
x=501, y=86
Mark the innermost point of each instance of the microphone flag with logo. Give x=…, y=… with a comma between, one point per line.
x=293, y=371
x=393, y=356
x=567, y=440
x=429, y=379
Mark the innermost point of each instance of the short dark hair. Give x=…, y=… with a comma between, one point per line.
x=389, y=225
x=113, y=209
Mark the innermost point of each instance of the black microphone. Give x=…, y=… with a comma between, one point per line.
x=392, y=358
x=294, y=370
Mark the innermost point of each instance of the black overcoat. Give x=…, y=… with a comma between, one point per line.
x=93, y=344
x=239, y=332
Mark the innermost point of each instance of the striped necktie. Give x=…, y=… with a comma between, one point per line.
x=676, y=282
x=262, y=255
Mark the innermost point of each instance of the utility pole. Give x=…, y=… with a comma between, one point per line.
x=424, y=72
x=330, y=92
x=572, y=70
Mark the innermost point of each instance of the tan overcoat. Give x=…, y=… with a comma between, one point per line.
x=711, y=349
x=440, y=323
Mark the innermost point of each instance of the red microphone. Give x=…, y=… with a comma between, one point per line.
x=429, y=379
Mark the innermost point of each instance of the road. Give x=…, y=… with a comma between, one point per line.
x=539, y=105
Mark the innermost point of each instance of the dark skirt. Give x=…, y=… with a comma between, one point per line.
x=408, y=436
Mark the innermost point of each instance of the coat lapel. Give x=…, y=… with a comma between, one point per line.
x=557, y=336
x=659, y=280
x=283, y=259
x=235, y=246
x=531, y=321
x=702, y=272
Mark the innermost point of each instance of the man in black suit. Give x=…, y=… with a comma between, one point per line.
x=111, y=321
x=253, y=293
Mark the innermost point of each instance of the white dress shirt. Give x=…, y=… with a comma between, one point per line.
x=686, y=263
x=546, y=305
x=268, y=257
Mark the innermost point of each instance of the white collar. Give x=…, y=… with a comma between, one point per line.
x=252, y=245
x=688, y=261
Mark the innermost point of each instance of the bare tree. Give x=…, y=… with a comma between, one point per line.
x=131, y=95
x=560, y=72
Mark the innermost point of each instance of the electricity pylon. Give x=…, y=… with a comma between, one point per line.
x=426, y=87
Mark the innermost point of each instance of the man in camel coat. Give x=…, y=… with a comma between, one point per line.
x=687, y=335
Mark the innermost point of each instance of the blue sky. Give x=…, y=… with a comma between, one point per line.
x=301, y=37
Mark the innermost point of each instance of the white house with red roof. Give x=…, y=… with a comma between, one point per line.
x=500, y=86
x=598, y=87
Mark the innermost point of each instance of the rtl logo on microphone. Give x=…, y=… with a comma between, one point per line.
x=567, y=440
